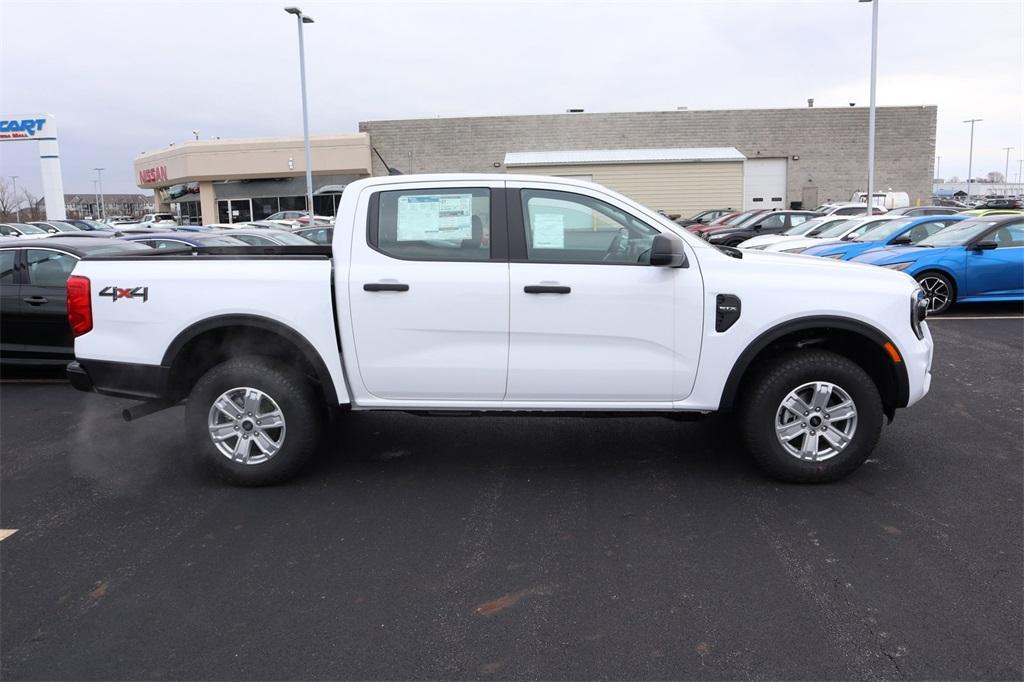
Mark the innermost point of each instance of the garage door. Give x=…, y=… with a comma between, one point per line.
x=764, y=183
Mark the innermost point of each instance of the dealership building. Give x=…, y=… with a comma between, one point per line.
x=678, y=162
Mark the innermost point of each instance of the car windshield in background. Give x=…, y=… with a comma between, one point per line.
x=28, y=229
x=217, y=240
x=885, y=230
x=804, y=228
x=108, y=246
x=837, y=230
x=958, y=234
x=292, y=239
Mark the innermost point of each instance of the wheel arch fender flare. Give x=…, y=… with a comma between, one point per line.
x=257, y=322
x=773, y=334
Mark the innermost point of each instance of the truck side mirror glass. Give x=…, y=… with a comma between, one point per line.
x=667, y=251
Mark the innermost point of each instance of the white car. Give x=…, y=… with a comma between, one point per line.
x=847, y=208
x=501, y=294
x=152, y=221
x=810, y=228
x=296, y=219
x=22, y=231
x=838, y=232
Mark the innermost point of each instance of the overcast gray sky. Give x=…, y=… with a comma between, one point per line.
x=124, y=77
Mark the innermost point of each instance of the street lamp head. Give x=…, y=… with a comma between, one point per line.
x=293, y=10
x=307, y=20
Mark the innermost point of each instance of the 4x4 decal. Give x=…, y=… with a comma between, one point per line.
x=115, y=293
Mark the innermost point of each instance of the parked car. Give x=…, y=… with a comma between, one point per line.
x=846, y=230
x=530, y=313
x=89, y=225
x=772, y=223
x=950, y=203
x=317, y=235
x=810, y=228
x=54, y=226
x=849, y=209
x=293, y=219
x=33, y=312
x=152, y=221
x=705, y=217
x=976, y=260
x=264, y=237
x=889, y=200
x=985, y=212
x=722, y=223
x=177, y=240
x=896, y=232
x=23, y=230
x=922, y=211
x=999, y=203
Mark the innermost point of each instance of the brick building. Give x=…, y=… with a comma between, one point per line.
x=682, y=161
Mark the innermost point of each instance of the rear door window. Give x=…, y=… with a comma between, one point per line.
x=7, y=260
x=48, y=268
x=436, y=224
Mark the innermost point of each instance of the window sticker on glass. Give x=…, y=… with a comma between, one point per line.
x=424, y=217
x=548, y=231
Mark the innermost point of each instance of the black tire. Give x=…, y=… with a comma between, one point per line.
x=294, y=396
x=771, y=384
x=937, y=282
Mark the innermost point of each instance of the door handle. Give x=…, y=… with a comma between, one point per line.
x=546, y=289
x=385, y=286
x=36, y=300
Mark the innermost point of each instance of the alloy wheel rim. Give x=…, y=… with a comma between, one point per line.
x=246, y=425
x=816, y=421
x=936, y=291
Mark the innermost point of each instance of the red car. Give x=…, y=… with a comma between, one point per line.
x=725, y=221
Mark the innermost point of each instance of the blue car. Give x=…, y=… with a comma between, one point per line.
x=898, y=232
x=976, y=260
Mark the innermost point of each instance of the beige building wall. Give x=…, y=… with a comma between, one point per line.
x=684, y=188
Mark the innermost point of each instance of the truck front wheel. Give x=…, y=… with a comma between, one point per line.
x=252, y=421
x=811, y=416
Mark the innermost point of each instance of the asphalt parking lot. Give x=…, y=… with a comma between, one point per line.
x=498, y=548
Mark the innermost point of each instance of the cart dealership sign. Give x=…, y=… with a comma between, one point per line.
x=42, y=129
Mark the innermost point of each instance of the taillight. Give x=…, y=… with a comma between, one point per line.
x=79, y=305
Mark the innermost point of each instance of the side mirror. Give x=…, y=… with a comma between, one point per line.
x=902, y=240
x=667, y=251
x=985, y=245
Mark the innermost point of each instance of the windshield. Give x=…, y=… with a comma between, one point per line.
x=113, y=246
x=884, y=231
x=958, y=234
x=837, y=229
x=824, y=224
x=805, y=227
x=289, y=238
x=741, y=218
x=64, y=227
x=28, y=229
x=215, y=240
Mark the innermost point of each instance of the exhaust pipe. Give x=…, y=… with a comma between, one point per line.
x=144, y=409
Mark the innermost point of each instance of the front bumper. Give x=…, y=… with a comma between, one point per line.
x=917, y=358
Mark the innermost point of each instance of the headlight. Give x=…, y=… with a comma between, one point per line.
x=918, y=312
x=898, y=266
x=796, y=250
x=834, y=256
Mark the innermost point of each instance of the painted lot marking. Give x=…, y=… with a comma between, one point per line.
x=6, y=533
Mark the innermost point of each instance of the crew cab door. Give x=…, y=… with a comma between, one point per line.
x=44, y=297
x=12, y=344
x=591, y=320
x=428, y=291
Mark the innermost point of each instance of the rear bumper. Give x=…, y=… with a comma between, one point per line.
x=121, y=379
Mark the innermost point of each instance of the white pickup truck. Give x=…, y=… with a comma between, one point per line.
x=456, y=294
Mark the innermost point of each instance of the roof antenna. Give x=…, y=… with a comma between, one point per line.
x=390, y=170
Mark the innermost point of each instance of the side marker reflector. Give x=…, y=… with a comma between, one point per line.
x=893, y=353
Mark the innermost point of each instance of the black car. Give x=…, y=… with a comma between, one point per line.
x=33, y=296
x=773, y=222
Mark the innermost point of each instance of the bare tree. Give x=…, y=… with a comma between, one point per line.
x=30, y=207
x=8, y=202
x=955, y=178
x=995, y=176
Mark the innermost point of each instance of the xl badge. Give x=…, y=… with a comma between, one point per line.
x=115, y=293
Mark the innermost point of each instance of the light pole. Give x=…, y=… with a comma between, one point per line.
x=938, y=166
x=96, y=198
x=303, y=19
x=970, y=157
x=1006, y=173
x=17, y=202
x=871, y=107
x=99, y=175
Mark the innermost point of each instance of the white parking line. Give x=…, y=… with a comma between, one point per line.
x=6, y=533
x=980, y=317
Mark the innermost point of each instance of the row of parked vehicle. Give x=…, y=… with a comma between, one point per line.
x=957, y=256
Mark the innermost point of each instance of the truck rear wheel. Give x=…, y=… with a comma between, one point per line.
x=811, y=416
x=252, y=421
